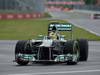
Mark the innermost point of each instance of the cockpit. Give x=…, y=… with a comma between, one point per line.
x=47, y=38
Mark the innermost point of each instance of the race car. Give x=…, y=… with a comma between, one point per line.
x=52, y=48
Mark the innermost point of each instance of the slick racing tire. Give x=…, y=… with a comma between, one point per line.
x=83, y=45
x=72, y=47
x=20, y=49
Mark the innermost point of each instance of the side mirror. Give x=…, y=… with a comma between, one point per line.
x=40, y=36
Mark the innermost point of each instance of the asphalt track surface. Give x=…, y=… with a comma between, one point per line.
x=8, y=67
x=79, y=18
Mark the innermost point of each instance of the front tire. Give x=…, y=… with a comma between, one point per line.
x=20, y=49
x=83, y=44
x=72, y=47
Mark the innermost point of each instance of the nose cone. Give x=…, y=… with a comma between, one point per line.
x=46, y=43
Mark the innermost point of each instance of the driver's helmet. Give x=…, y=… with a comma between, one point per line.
x=53, y=35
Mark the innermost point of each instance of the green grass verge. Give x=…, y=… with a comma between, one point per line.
x=24, y=29
x=46, y=15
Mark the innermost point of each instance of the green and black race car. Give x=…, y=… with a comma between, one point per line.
x=52, y=48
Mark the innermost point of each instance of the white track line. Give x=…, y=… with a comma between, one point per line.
x=60, y=72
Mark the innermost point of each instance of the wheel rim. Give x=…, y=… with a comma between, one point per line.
x=75, y=52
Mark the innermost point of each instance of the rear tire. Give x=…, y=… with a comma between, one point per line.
x=19, y=49
x=83, y=45
x=72, y=47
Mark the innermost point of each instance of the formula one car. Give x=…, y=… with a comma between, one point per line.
x=52, y=48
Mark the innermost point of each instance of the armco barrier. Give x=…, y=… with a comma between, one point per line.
x=20, y=16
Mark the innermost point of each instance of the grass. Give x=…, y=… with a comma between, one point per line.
x=46, y=15
x=24, y=29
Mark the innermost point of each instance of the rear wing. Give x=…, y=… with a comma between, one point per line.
x=59, y=27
